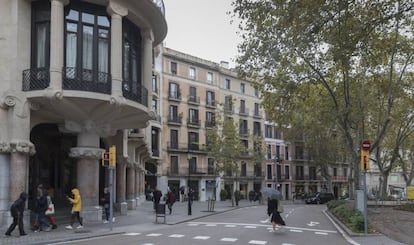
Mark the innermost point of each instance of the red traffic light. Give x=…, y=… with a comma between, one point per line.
x=105, y=156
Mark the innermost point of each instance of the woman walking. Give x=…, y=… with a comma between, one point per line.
x=76, y=208
x=274, y=208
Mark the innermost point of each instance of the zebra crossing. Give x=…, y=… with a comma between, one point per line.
x=234, y=240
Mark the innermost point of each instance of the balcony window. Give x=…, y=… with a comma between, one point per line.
x=192, y=165
x=228, y=83
x=192, y=73
x=193, y=141
x=87, y=48
x=155, y=139
x=174, y=139
x=174, y=91
x=210, y=97
x=242, y=88
x=243, y=170
x=210, y=166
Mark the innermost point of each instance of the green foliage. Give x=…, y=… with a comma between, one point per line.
x=351, y=217
x=223, y=194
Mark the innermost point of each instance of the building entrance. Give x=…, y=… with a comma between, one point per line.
x=51, y=166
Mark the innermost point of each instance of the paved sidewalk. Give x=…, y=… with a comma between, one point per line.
x=143, y=219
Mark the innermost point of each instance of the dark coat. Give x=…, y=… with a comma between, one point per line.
x=17, y=208
x=272, y=205
x=157, y=196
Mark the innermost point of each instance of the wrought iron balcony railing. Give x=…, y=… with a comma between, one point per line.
x=135, y=92
x=36, y=79
x=86, y=80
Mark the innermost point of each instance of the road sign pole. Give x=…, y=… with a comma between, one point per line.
x=111, y=196
x=365, y=204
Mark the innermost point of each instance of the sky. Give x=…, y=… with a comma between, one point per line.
x=202, y=28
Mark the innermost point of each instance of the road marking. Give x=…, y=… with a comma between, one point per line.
x=228, y=239
x=288, y=244
x=132, y=234
x=148, y=244
x=195, y=223
x=265, y=221
x=292, y=230
x=201, y=237
x=313, y=223
x=154, y=234
x=211, y=225
x=257, y=242
x=176, y=235
x=321, y=233
x=250, y=227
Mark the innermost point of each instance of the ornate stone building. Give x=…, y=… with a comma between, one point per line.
x=75, y=79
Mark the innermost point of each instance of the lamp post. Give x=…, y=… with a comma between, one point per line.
x=276, y=163
x=189, y=191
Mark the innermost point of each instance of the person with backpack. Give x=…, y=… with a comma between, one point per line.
x=170, y=200
x=16, y=210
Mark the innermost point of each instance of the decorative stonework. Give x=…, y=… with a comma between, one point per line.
x=86, y=152
x=90, y=127
x=115, y=8
x=4, y=147
x=53, y=94
x=22, y=146
x=14, y=99
x=117, y=100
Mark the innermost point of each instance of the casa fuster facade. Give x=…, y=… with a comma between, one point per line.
x=75, y=79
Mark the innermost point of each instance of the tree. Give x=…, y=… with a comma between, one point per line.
x=224, y=146
x=339, y=46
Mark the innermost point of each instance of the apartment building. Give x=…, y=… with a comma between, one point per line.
x=194, y=91
x=74, y=80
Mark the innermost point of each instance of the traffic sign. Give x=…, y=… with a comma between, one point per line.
x=366, y=145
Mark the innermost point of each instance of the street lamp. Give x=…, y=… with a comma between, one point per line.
x=189, y=192
x=276, y=164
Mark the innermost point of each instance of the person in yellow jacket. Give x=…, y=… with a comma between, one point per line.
x=76, y=208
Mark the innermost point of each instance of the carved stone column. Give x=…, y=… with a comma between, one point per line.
x=56, y=46
x=130, y=187
x=117, y=12
x=147, y=40
x=137, y=186
x=88, y=154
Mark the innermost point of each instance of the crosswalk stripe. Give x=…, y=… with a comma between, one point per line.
x=176, y=235
x=154, y=234
x=132, y=234
x=258, y=242
x=321, y=233
x=228, y=239
x=201, y=237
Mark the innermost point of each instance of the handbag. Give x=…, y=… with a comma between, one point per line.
x=50, y=209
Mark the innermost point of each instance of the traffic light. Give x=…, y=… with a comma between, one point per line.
x=366, y=145
x=112, y=156
x=105, y=159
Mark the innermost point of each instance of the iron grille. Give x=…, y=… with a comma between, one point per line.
x=36, y=79
x=138, y=93
x=86, y=80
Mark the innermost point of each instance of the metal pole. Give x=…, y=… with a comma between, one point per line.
x=365, y=202
x=111, y=197
x=189, y=188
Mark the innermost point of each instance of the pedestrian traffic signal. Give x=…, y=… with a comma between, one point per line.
x=112, y=156
x=105, y=159
x=366, y=145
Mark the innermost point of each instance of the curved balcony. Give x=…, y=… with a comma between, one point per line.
x=86, y=80
x=137, y=93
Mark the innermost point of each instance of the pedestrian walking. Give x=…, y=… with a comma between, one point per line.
x=76, y=208
x=274, y=209
x=105, y=202
x=51, y=208
x=156, y=197
x=40, y=207
x=16, y=210
x=170, y=200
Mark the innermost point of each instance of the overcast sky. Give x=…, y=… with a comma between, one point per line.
x=201, y=28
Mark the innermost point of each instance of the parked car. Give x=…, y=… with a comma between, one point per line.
x=319, y=198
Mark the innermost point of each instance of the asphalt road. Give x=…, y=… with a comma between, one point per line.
x=306, y=224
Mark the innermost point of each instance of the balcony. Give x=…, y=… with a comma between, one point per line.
x=183, y=147
x=258, y=115
x=86, y=80
x=138, y=93
x=174, y=96
x=244, y=112
x=211, y=104
x=339, y=179
x=210, y=124
x=244, y=132
x=175, y=119
x=194, y=100
x=228, y=109
x=36, y=79
x=192, y=122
